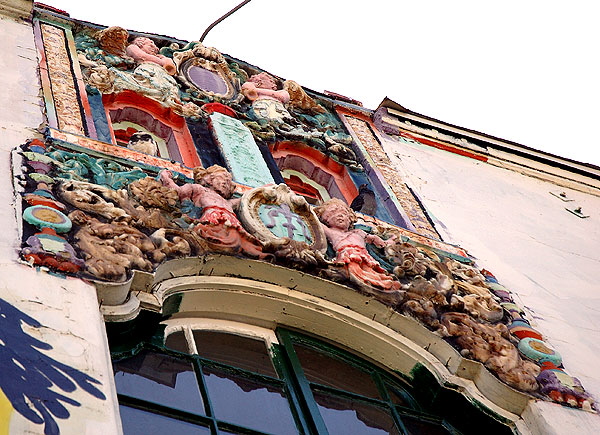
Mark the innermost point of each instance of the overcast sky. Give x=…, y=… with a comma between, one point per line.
x=526, y=71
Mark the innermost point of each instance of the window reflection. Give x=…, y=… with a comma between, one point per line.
x=249, y=402
x=160, y=379
x=138, y=422
x=246, y=353
x=177, y=341
x=325, y=370
x=346, y=416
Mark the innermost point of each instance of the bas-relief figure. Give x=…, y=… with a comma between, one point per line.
x=212, y=191
x=351, y=253
x=106, y=59
x=267, y=101
x=145, y=50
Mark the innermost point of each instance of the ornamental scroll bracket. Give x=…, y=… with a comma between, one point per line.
x=205, y=70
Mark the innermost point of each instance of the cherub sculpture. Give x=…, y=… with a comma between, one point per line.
x=267, y=101
x=144, y=50
x=351, y=253
x=212, y=191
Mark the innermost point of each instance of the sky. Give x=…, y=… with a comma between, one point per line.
x=525, y=71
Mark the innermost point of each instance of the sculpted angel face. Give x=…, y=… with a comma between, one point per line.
x=336, y=214
x=146, y=44
x=217, y=179
x=263, y=81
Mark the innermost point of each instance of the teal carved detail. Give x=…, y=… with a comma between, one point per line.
x=283, y=222
x=81, y=167
x=240, y=152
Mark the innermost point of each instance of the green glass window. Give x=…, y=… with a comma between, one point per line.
x=222, y=383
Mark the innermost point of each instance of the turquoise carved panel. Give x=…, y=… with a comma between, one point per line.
x=240, y=152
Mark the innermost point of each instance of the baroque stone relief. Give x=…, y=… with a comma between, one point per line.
x=103, y=224
x=111, y=65
x=286, y=224
x=185, y=76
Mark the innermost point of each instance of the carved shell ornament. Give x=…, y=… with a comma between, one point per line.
x=272, y=213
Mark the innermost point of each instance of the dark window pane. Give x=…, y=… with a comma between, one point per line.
x=415, y=426
x=325, y=370
x=177, y=341
x=249, y=403
x=138, y=422
x=346, y=416
x=160, y=379
x=242, y=352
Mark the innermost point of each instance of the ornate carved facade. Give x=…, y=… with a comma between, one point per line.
x=163, y=163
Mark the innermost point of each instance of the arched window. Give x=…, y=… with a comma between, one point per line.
x=312, y=174
x=129, y=112
x=220, y=377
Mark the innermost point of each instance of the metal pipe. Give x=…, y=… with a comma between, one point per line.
x=209, y=28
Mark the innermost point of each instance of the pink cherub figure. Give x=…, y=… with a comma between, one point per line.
x=212, y=190
x=267, y=101
x=263, y=86
x=144, y=50
x=350, y=246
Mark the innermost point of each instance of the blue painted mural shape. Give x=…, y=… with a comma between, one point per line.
x=27, y=375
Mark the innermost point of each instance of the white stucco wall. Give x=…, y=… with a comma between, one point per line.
x=546, y=256
x=66, y=309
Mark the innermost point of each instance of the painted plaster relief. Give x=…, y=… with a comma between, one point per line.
x=93, y=218
x=240, y=152
x=286, y=224
x=190, y=77
x=33, y=384
x=62, y=84
x=106, y=59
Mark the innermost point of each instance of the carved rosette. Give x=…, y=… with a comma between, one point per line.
x=285, y=222
x=206, y=70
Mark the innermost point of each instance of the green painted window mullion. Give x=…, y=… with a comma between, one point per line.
x=284, y=372
x=208, y=408
x=308, y=403
x=381, y=386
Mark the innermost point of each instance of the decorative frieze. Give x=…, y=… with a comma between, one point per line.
x=63, y=86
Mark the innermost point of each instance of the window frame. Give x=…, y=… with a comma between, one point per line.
x=298, y=390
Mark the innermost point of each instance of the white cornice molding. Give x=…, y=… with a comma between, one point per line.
x=16, y=9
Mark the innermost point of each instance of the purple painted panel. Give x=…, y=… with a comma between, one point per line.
x=207, y=80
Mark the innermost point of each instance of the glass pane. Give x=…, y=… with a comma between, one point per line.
x=414, y=426
x=249, y=403
x=160, y=379
x=346, y=416
x=138, y=422
x=325, y=370
x=177, y=341
x=242, y=352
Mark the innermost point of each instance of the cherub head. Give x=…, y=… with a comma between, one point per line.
x=146, y=44
x=335, y=213
x=263, y=81
x=216, y=178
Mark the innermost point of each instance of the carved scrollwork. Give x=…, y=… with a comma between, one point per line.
x=205, y=70
x=275, y=212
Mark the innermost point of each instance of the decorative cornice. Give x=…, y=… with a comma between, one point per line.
x=16, y=9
